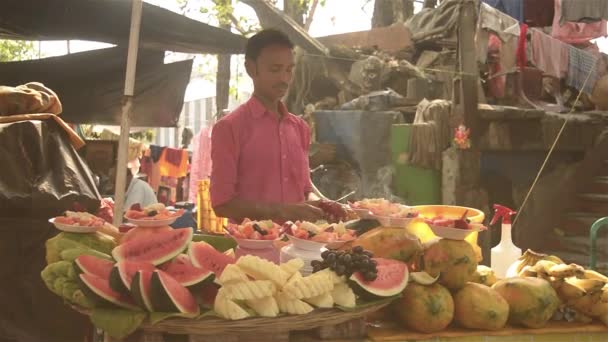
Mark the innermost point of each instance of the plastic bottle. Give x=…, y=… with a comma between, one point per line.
x=505, y=253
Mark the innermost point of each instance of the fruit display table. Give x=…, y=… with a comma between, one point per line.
x=553, y=332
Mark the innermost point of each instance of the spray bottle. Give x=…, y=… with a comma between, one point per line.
x=505, y=253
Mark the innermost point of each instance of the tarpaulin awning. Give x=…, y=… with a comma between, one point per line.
x=109, y=21
x=91, y=85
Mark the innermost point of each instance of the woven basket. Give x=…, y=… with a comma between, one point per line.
x=217, y=326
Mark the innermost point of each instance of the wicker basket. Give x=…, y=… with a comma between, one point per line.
x=217, y=326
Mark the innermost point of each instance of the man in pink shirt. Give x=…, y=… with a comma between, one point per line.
x=259, y=152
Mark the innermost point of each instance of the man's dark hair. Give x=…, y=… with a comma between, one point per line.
x=263, y=39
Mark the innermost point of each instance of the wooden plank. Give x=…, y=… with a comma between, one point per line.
x=391, y=39
x=271, y=17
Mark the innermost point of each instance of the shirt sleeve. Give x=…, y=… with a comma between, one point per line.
x=224, y=162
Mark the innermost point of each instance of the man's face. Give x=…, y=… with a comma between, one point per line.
x=272, y=72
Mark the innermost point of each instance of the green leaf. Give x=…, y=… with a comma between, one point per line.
x=156, y=317
x=210, y=313
x=117, y=323
x=365, y=304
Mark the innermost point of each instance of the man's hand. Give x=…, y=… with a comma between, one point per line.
x=302, y=211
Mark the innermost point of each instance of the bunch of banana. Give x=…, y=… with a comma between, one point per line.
x=530, y=258
x=584, y=293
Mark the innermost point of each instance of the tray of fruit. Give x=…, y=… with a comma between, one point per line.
x=389, y=214
x=254, y=234
x=313, y=236
x=453, y=229
x=77, y=222
x=153, y=215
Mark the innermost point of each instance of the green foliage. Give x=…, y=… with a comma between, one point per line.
x=16, y=50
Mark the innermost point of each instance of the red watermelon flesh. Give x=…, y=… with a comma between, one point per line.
x=168, y=295
x=392, y=279
x=203, y=255
x=182, y=270
x=123, y=272
x=140, y=289
x=156, y=248
x=93, y=265
x=98, y=289
x=142, y=233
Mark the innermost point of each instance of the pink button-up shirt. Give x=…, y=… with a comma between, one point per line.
x=259, y=157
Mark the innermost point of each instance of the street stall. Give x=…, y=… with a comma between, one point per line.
x=385, y=271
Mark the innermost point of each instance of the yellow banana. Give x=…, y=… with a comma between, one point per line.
x=568, y=291
x=591, y=274
x=589, y=285
x=556, y=283
x=527, y=271
x=543, y=266
x=566, y=271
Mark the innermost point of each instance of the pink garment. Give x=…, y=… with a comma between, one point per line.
x=549, y=54
x=200, y=168
x=496, y=84
x=258, y=157
x=576, y=33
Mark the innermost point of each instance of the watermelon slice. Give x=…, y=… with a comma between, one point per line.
x=142, y=233
x=123, y=272
x=98, y=290
x=93, y=265
x=392, y=279
x=203, y=255
x=168, y=295
x=207, y=295
x=140, y=289
x=156, y=248
x=182, y=270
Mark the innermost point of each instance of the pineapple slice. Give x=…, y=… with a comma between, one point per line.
x=325, y=301
x=334, y=277
x=290, y=305
x=228, y=309
x=265, y=307
x=261, y=269
x=232, y=274
x=311, y=286
x=255, y=289
x=344, y=296
x=292, y=266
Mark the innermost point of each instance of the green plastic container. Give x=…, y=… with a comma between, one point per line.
x=418, y=186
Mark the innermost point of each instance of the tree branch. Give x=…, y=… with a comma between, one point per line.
x=311, y=15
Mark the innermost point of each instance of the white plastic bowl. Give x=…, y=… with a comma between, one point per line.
x=152, y=223
x=455, y=233
x=306, y=245
x=74, y=229
x=387, y=221
x=363, y=213
x=254, y=244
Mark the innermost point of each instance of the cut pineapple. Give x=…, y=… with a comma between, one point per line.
x=228, y=309
x=291, y=305
x=323, y=301
x=232, y=274
x=334, y=277
x=308, y=287
x=292, y=266
x=254, y=289
x=261, y=269
x=265, y=307
x=344, y=296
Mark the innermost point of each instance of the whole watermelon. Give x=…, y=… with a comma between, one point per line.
x=453, y=260
x=425, y=308
x=532, y=301
x=478, y=306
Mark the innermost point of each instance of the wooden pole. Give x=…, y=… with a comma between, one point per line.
x=468, y=97
x=123, y=141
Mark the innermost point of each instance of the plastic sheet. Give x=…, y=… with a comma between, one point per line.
x=42, y=175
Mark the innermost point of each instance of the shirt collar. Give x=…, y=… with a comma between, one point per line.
x=258, y=110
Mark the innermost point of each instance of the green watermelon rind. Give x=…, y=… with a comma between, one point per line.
x=142, y=299
x=199, y=276
x=371, y=290
x=125, y=251
x=101, y=296
x=161, y=297
x=119, y=281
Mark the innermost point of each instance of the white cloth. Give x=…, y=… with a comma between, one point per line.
x=505, y=27
x=139, y=192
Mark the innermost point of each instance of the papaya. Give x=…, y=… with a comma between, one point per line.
x=425, y=309
x=391, y=243
x=454, y=261
x=478, y=306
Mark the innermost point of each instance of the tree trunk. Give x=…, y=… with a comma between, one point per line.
x=222, y=81
x=430, y=3
x=388, y=12
x=295, y=10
